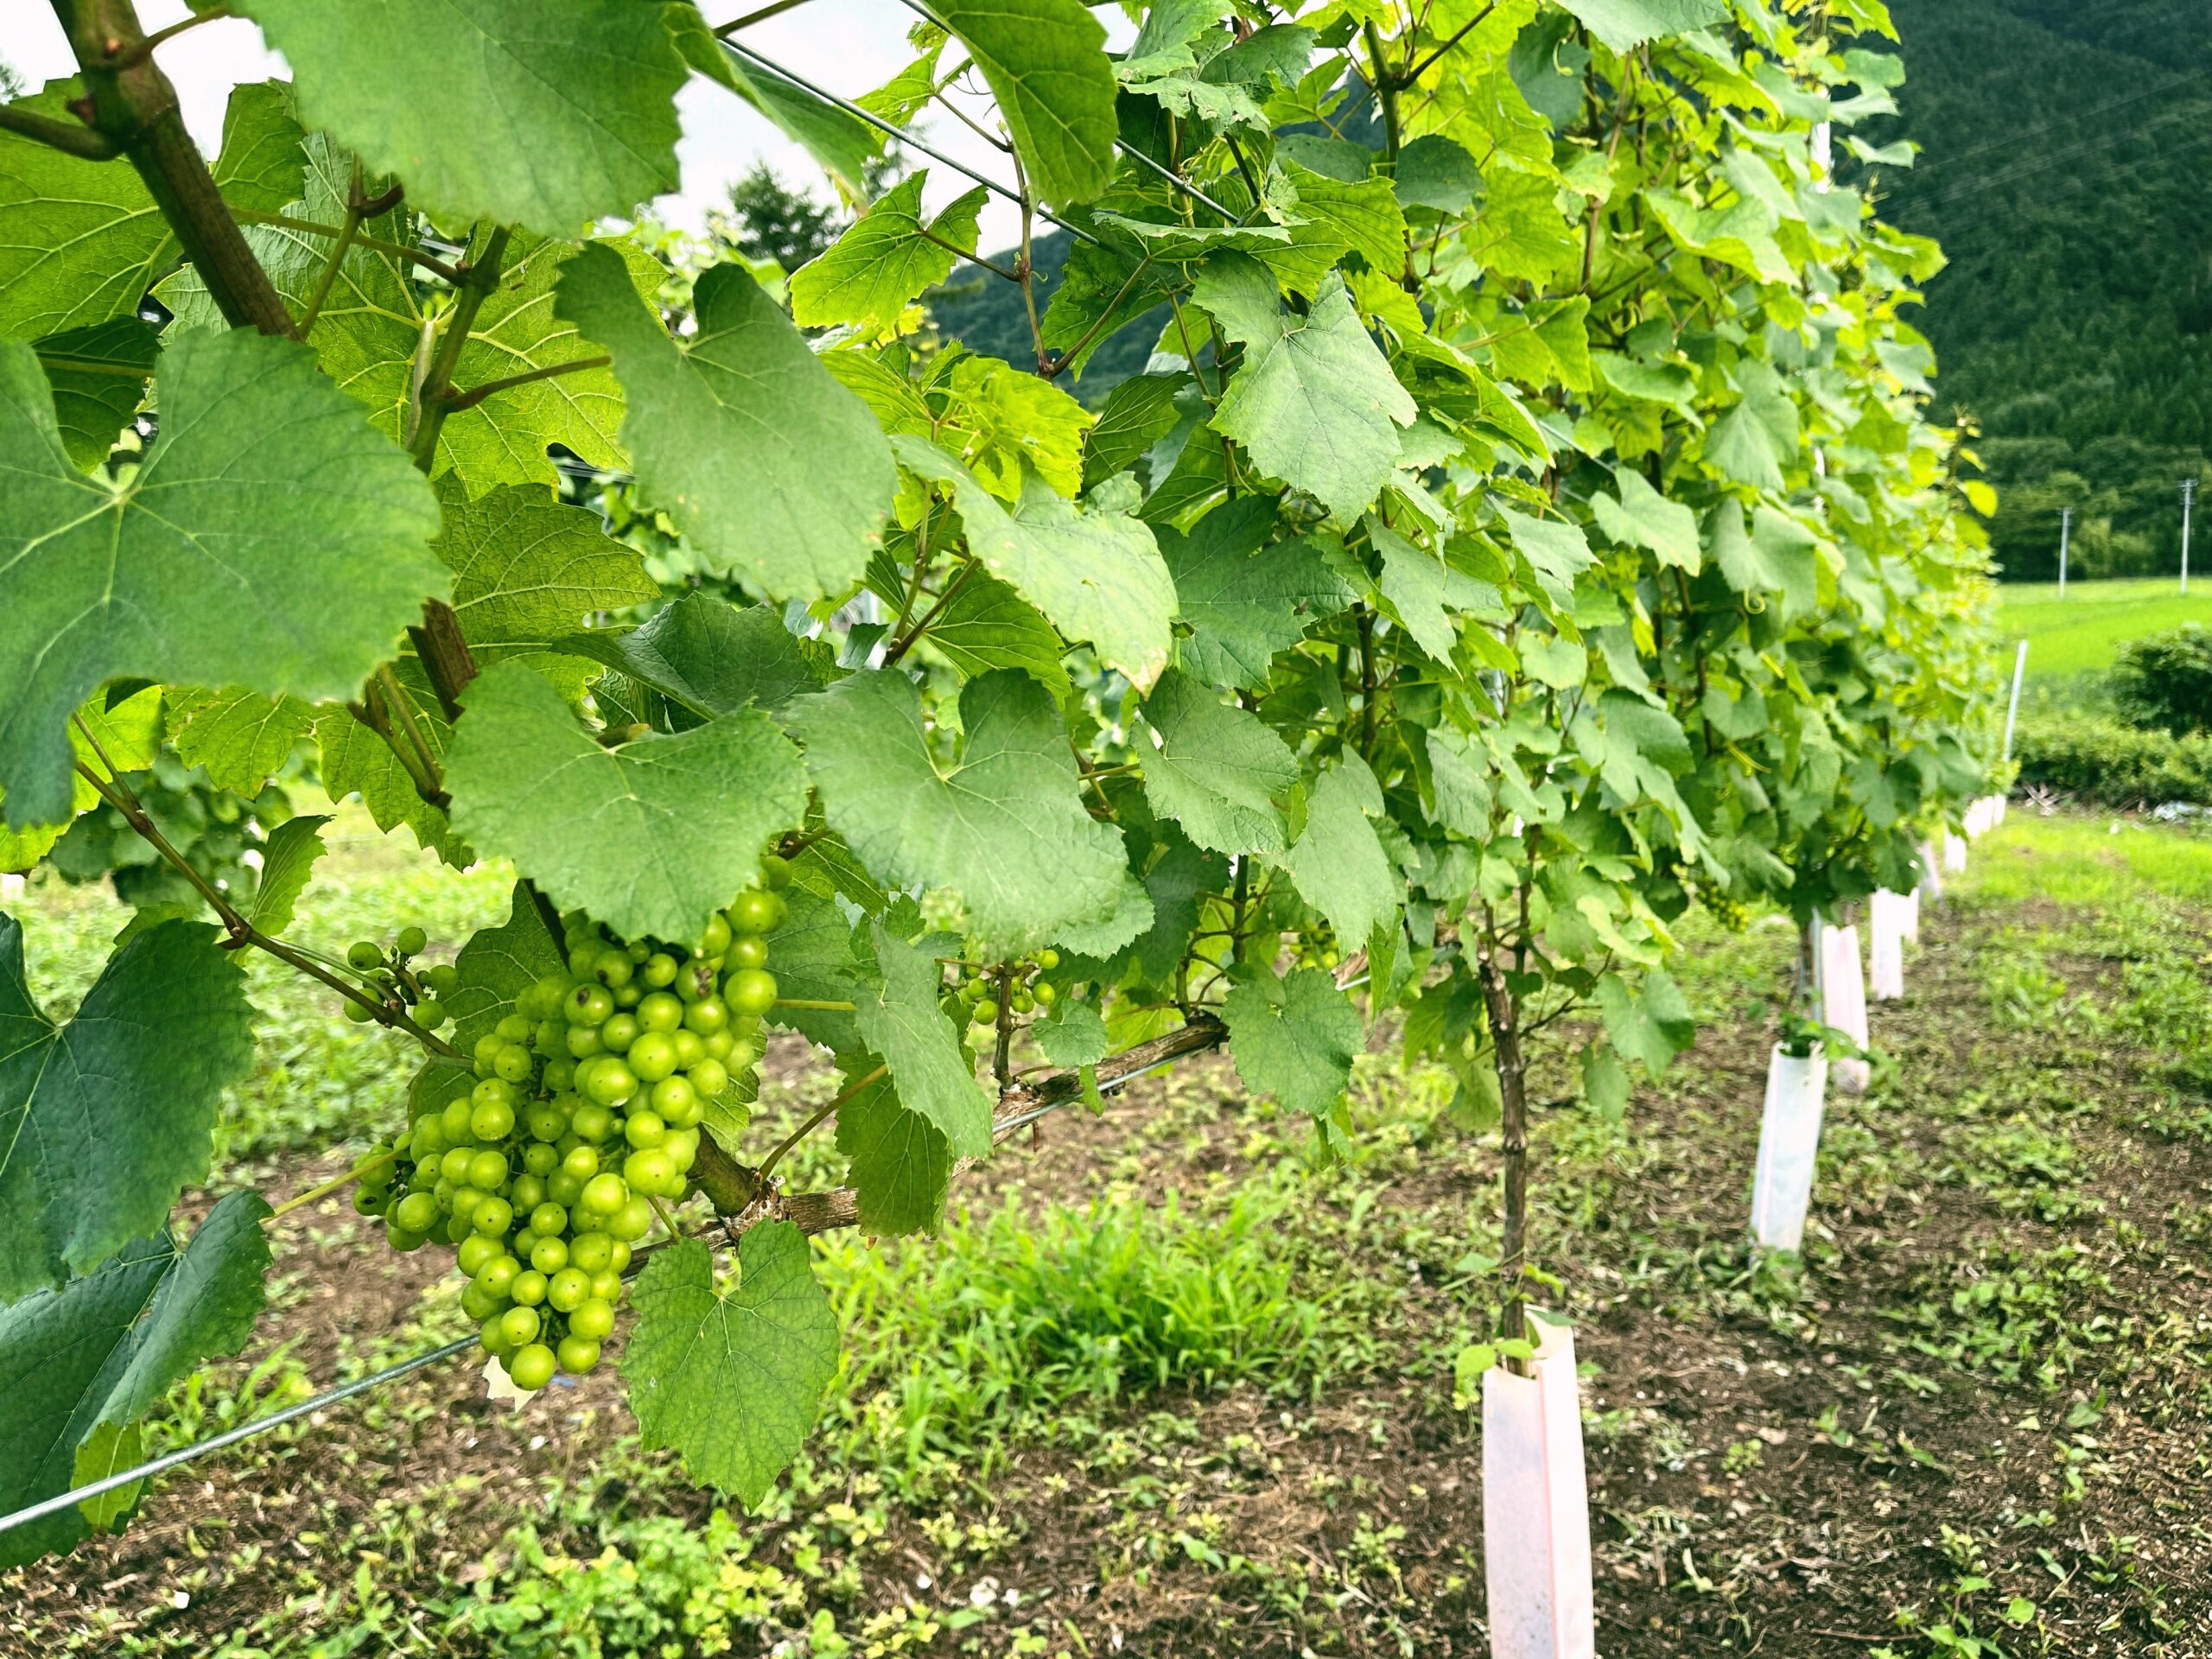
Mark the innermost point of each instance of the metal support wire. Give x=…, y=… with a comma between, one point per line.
x=903, y=136
x=39, y=1512
x=1127, y=149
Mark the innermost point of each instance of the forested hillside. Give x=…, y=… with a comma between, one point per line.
x=2064, y=149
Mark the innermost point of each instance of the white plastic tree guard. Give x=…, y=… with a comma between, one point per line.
x=1910, y=912
x=1843, y=1001
x=1954, y=853
x=1537, y=1505
x=1931, y=876
x=1886, y=918
x=1790, y=1143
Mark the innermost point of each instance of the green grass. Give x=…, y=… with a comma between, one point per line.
x=2081, y=634
x=2107, y=862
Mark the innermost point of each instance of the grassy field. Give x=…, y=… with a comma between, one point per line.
x=2081, y=634
x=1162, y=1388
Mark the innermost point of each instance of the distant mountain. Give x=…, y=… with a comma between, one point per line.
x=2065, y=148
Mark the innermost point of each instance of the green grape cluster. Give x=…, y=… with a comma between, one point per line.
x=393, y=976
x=978, y=992
x=588, y=1110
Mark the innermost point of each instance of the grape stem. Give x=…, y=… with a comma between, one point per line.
x=117, y=794
x=812, y=1123
x=811, y=1002
x=329, y=1186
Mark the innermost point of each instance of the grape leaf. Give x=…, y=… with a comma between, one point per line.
x=1427, y=594
x=102, y=1350
x=650, y=838
x=840, y=144
x=1293, y=1039
x=287, y=861
x=1313, y=400
x=900, y=1163
x=1097, y=574
x=1245, y=600
x=1338, y=865
x=497, y=965
x=569, y=112
x=354, y=758
x=1073, y=1034
x=708, y=656
x=1214, y=769
x=1623, y=24
x=732, y=1382
x=1046, y=64
x=105, y=1120
x=1137, y=414
x=1654, y=1026
x=527, y=571
x=899, y=1018
x=775, y=472
x=1556, y=553
x=871, y=273
x=812, y=950
x=1644, y=518
x=986, y=624
x=1004, y=828
x=1177, y=884
x=192, y=569
x=104, y=741
x=98, y=375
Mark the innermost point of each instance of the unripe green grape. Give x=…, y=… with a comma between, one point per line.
x=651, y=1057
x=591, y=1252
x=454, y=1167
x=487, y=1170
x=619, y=1033
x=528, y=1191
x=476, y=1249
x=652, y=1171
x=562, y=1187
x=487, y=1048
x=634, y=1219
x=587, y=1005
x=711, y=1013
x=443, y=980
x=512, y=1028
x=986, y=1013
x=682, y=1148
x=604, y=1195
x=548, y=1218
x=614, y=968
x=756, y=912
x=1023, y=1002
x=617, y=1257
x=1046, y=992
x=403, y=1238
x=566, y=1144
x=449, y=1231
x=532, y=1367
x=658, y=1010
x=488, y=1338
x=494, y=1215
x=1048, y=957
x=367, y=1202
x=429, y=1013
x=659, y=969
x=592, y=1320
x=549, y=1038
x=546, y=1123
x=491, y=1121
x=748, y=952
x=693, y=981
x=691, y=1048
x=522, y=1244
x=577, y=1355
x=550, y=1255
x=542, y=1158
x=363, y=954
x=569, y=1289
x=492, y=1282
x=606, y=1286
x=579, y=1163
x=742, y=1057
x=412, y=941
x=514, y=1062
x=643, y=1130
x=529, y=1287
x=677, y=1103
x=559, y=1076
x=750, y=990
x=612, y=1084
x=715, y=939
x=584, y=1043
x=359, y=1013
x=583, y=959
x=463, y=1211
x=519, y=1325
x=478, y=1303
x=593, y=1121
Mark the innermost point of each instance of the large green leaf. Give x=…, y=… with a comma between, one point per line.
x=732, y=1382
x=899, y=1018
x=1293, y=1039
x=1095, y=573
x=1244, y=598
x=1313, y=399
x=708, y=656
x=103, y=741
x=1217, y=769
x=1338, y=864
x=901, y=1165
x=98, y=375
x=270, y=541
x=105, y=1120
x=840, y=142
x=776, y=473
x=871, y=273
x=527, y=571
x=1003, y=827
x=240, y=737
x=546, y=116
x=1644, y=518
x=1623, y=24
x=102, y=1352
x=986, y=624
x=812, y=951
x=649, y=837
x=288, y=860
x=1046, y=63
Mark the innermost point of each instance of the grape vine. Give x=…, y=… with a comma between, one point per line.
x=1518, y=517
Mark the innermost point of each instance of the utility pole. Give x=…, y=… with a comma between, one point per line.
x=2188, y=491
x=2065, y=526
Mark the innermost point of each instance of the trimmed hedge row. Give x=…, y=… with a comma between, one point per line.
x=2100, y=757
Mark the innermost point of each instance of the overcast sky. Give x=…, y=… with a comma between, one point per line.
x=847, y=46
